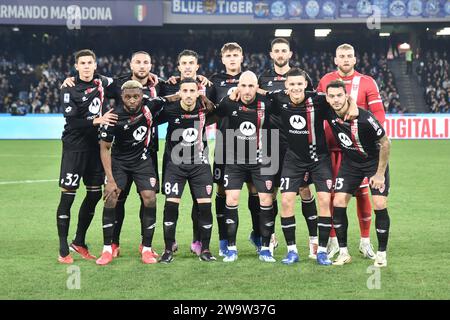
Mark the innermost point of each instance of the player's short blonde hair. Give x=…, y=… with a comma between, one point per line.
x=345, y=46
x=230, y=46
x=132, y=84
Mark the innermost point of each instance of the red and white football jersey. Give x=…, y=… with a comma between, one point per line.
x=363, y=89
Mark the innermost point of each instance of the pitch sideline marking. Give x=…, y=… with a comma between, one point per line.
x=27, y=181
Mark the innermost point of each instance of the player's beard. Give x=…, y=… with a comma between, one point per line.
x=133, y=110
x=341, y=108
x=138, y=76
x=282, y=63
x=346, y=70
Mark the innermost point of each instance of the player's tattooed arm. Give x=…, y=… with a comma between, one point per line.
x=105, y=155
x=377, y=180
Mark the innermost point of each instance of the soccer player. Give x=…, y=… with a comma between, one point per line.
x=140, y=66
x=223, y=84
x=248, y=121
x=364, y=91
x=186, y=156
x=126, y=155
x=82, y=108
x=271, y=80
x=303, y=115
x=365, y=149
x=187, y=66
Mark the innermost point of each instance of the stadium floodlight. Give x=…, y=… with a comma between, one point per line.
x=384, y=34
x=404, y=46
x=283, y=32
x=444, y=32
x=321, y=33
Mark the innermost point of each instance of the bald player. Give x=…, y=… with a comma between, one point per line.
x=247, y=157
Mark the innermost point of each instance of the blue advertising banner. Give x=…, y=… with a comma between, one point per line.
x=82, y=13
x=349, y=9
x=213, y=7
x=296, y=9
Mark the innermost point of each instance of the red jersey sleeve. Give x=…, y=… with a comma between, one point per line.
x=374, y=101
x=320, y=86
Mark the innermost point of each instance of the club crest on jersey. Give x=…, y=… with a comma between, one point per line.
x=247, y=128
x=329, y=184
x=139, y=133
x=152, y=182
x=95, y=105
x=209, y=189
x=190, y=135
x=177, y=120
x=268, y=184
x=66, y=97
x=260, y=114
x=297, y=122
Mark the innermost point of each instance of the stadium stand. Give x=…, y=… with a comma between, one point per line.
x=30, y=79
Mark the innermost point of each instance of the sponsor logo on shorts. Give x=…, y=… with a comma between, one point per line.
x=208, y=189
x=152, y=182
x=268, y=184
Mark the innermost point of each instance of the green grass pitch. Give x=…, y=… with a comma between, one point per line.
x=418, y=254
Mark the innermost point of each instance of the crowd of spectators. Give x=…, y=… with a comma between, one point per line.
x=34, y=87
x=36, y=62
x=433, y=73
